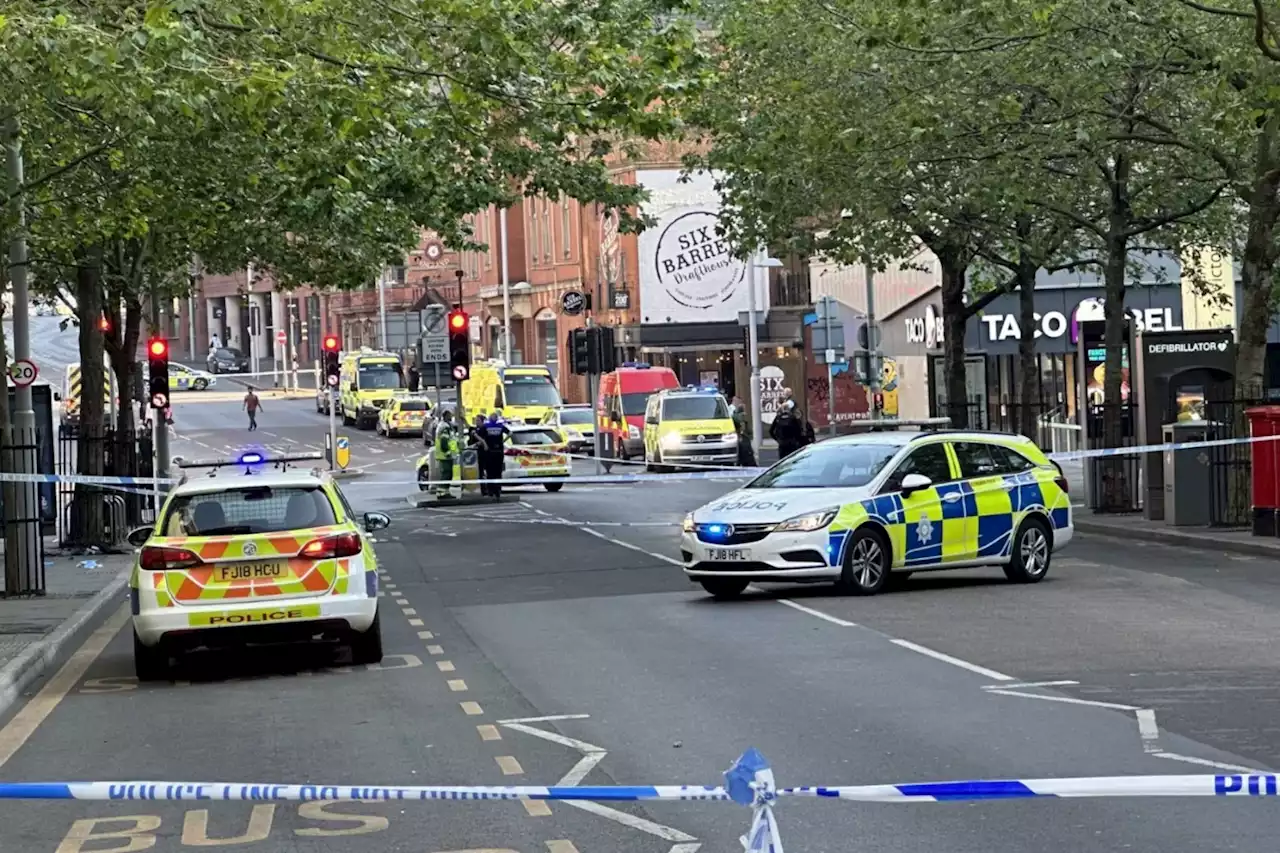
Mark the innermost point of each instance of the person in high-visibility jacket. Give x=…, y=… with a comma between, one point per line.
x=446, y=453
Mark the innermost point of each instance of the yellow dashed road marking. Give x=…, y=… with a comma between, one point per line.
x=417, y=623
x=426, y=635
x=457, y=685
x=536, y=808
x=409, y=611
x=445, y=665
x=471, y=709
x=435, y=650
x=509, y=765
x=403, y=602
x=560, y=846
x=489, y=732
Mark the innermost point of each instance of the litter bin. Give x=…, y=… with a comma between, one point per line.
x=1264, y=422
x=1186, y=476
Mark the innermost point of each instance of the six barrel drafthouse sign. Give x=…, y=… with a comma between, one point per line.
x=688, y=272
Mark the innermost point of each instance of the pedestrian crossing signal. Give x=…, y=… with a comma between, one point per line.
x=459, y=345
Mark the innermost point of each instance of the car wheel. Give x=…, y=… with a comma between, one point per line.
x=724, y=588
x=200, y=384
x=1032, y=551
x=866, y=563
x=393, y=433
x=552, y=487
x=424, y=475
x=366, y=647
x=150, y=663
x=346, y=421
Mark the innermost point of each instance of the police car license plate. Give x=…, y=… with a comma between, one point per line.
x=243, y=571
x=729, y=555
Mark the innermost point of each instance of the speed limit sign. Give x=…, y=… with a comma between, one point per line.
x=23, y=373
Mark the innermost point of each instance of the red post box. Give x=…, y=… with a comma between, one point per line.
x=1264, y=423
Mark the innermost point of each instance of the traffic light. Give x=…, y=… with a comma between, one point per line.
x=580, y=351
x=605, y=360
x=459, y=345
x=332, y=360
x=591, y=350
x=158, y=362
x=104, y=324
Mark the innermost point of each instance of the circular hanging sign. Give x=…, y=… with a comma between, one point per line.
x=573, y=302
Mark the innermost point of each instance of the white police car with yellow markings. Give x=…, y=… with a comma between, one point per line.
x=254, y=556
x=855, y=509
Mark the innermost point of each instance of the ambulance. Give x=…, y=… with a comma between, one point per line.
x=70, y=396
x=524, y=392
x=689, y=426
x=367, y=381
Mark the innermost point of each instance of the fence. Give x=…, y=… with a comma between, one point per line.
x=1230, y=466
x=23, y=522
x=1114, y=483
x=80, y=506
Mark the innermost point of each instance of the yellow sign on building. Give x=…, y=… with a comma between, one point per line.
x=1208, y=290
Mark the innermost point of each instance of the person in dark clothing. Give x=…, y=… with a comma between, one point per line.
x=790, y=430
x=493, y=434
x=413, y=378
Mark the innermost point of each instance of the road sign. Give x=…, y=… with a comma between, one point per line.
x=433, y=320
x=435, y=347
x=333, y=381
x=280, y=337
x=343, y=456
x=572, y=302
x=23, y=372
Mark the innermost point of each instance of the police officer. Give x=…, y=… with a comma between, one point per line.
x=492, y=433
x=446, y=444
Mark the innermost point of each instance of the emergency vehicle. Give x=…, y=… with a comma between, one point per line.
x=689, y=425
x=531, y=451
x=405, y=413
x=70, y=397
x=524, y=392
x=620, y=406
x=854, y=509
x=247, y=555
x=367, y=381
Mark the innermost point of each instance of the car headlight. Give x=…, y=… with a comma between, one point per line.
x=687, y=524
x=632, y=431
x=574, y=435
x=806, y=523
x=729, y=436
x=671, y=439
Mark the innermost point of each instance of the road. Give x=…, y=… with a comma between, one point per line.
x=568, y=606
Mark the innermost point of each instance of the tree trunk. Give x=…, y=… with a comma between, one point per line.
x=87, y=516
x=1028, y=408
x=123, y=361
x=955, y=264
x=1257, y=268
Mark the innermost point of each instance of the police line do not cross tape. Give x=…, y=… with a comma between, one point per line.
x=749, y=782
x=714, y=474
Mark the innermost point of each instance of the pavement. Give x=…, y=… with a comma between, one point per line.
x=552, y=639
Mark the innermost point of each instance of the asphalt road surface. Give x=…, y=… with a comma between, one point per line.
x=566, y=611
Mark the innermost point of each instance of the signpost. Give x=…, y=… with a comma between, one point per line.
x=343, y=454
x=23, y=372
x=434, y=343
x=828, y=339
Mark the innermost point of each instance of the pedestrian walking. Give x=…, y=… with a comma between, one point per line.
x=446, y=444
x=251, y=405
x=746, y=453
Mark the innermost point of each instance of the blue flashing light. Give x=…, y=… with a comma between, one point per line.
x=251, y=458
x=638, y=365
x=716, y=531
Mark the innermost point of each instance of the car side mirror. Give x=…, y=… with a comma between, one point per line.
x=914, y=483
x=138, y=536
x=376, y=521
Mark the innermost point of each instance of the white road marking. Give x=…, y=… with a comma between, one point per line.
x=582, y=769
x=1204, y=762
x=600, y=535
x=954, y=661
x=550, y=719
x=826, y=617
x=1024, y=684
x=554, y=737
x=666, y=833
x=1067, y=700
x=1147, y=729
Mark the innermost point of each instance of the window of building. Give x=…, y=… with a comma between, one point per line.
x=548, y=340
x=566, y=226
x=546, y=229
x=535, y=236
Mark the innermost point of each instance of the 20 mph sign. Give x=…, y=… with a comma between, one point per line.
x=23, y=373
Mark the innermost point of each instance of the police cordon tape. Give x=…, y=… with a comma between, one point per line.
x=716, y=474
x=749, y=782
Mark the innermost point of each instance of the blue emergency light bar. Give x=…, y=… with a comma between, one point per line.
x=638, y=365
x=251, y=457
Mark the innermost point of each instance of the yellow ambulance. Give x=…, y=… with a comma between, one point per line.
x=524, y=392
x=367, y=381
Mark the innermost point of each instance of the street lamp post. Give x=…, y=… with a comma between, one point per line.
x=753, y=344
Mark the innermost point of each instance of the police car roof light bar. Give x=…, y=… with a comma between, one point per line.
x=250, y=458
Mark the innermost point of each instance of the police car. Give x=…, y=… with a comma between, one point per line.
x=247, y=554
x=853, y=510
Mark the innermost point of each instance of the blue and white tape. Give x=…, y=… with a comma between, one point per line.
x=748, y=782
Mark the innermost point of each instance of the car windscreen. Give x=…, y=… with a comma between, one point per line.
x=229, y=353
x=694, y=407
x=535, y=436
x=413, y=405
x=577, y=416
x=248, y=509
x=827, y=466
x=634, y=404
x=384, y=375
x=530, y=391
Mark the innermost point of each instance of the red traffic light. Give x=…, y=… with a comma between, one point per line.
x=158, y=347
x=104, y=324
x=457, y=320
x=331, y=343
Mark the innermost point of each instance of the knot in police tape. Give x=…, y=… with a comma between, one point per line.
x=749, y=782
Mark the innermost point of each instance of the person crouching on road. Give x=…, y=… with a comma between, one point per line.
x=493, y=432
x=446, y=444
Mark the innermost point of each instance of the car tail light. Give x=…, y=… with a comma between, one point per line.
x=1061, y=479
x=342, y=545
x=156, y=558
